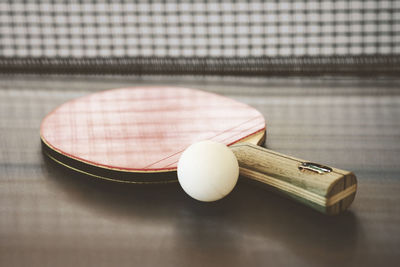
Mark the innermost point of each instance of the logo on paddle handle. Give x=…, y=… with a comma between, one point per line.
x=314, y=167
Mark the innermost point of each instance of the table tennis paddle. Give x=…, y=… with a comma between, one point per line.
x=136, y=135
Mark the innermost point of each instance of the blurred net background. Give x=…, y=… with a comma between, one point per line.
x=200, y=37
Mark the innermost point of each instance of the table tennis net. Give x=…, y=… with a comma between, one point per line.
x=200, y=37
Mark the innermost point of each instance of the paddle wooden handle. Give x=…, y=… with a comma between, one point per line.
x=328, y=190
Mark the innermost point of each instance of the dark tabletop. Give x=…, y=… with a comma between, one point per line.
x=53, y=217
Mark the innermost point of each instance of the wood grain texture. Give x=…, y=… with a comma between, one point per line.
x=328, y=193
x=52, y=217
x=143, y=129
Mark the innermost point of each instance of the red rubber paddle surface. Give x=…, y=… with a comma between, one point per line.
x=145, y=129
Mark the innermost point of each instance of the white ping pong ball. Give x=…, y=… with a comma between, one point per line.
x=208, y=171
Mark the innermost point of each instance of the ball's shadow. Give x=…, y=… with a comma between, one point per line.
x=248, y=209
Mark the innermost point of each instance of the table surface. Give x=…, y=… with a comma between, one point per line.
x=53, y=217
